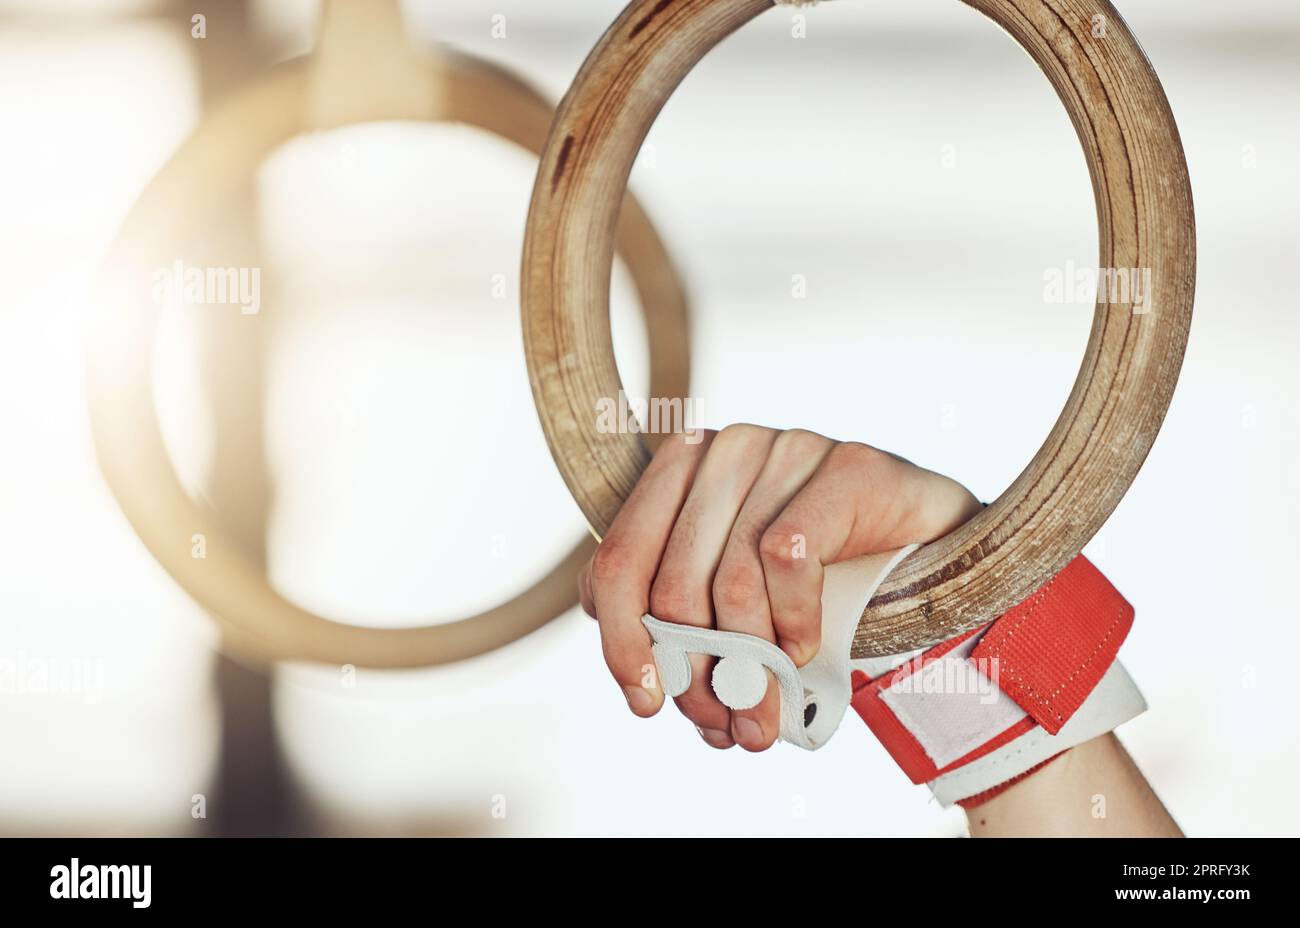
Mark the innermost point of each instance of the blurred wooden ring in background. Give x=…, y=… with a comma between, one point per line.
x=222, y=154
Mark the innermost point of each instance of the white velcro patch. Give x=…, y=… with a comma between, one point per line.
x=951, y=706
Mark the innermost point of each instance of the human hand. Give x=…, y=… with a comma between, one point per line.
x=734, y=532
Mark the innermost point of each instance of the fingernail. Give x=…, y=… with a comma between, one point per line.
x=715, y=738
x=639, y=699
x=748, y=732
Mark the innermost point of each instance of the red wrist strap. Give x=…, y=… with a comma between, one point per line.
x=1053, y=648
x=1047, y=655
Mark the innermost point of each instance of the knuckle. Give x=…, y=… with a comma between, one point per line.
x=739, y=436
x=670, y=600
x=738, y=589
x=611, y=562
x=797, y=443
x=676, y=444
x=778, y=548
x=856, y=456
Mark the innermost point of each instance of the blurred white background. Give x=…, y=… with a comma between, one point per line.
x=905, y=158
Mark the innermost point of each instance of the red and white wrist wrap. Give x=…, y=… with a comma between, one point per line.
x=968, y=716
x=975, y=714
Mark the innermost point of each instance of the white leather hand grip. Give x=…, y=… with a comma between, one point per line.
x=814, y=697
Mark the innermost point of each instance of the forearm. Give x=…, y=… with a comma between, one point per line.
x=1094, y=790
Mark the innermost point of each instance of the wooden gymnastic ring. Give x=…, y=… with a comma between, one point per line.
x=223, y=153
x=1129, y=370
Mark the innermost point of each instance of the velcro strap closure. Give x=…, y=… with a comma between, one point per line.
x=969, y=697
x=1049, y=652
x=1114, y=701
x=938, y=711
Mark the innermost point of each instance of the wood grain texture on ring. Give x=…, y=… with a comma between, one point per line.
x=191, y=191
x=1130, y=365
